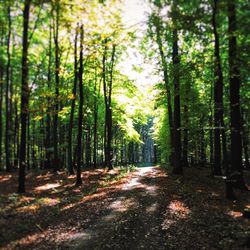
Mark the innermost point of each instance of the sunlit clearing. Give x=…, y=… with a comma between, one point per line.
x=47, y=186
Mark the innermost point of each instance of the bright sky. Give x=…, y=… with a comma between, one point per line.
x=134, y=11
x=134, y=15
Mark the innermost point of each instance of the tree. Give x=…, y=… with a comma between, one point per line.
x=57, y=82
x=234, y=81
x=7, y=90
x=24, y=97
x=218, y=95
x=1, y=96
x=177, y=168
x=80, y=112
x=70, y=162
x=156, y=23
x=107, y=90
x=48, y=118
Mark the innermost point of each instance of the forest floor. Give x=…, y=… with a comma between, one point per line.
x=147, y=208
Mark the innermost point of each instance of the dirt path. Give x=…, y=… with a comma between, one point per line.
x=145, y=209
x=132, y=219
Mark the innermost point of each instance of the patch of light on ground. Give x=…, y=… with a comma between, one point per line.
x=47, y=186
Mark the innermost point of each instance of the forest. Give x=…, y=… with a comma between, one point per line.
x=124, y=124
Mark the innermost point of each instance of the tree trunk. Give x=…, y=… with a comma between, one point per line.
x=88, y=146
x=1, y=99
x=71, y=121
x=166, y=81
x=95, y=122
x=28, y=142
x=107, y=89
x=7, y=90
x=202, y=157
x=80, y=114
x=225, y=162
x=57, y=81
x=48, y=116
x=234, y=88
x=245, y=142
x=185, y=136
x=16, y=135
x=177, y=169
x=1, y=116
x=211, y=142
x=24, y=98
x=218, y=95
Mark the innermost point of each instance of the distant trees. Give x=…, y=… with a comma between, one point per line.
x=74, y=108
x=66, y=120
x=203, y=130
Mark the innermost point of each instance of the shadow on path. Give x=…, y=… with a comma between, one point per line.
x=131, y=221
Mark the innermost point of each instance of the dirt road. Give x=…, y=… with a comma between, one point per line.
x=132, y=219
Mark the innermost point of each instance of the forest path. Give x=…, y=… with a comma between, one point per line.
x=149, y=208
x=132, y=219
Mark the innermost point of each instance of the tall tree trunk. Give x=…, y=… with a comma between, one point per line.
x=107, y=89
x=109, y=114
x=28, y=142
x=1, y=116
x=177, y=169
x=166, y=81
x=245, y=141
x=234, y=88
x=211, y=142
x=185, y=135
x=225, y=161
x=88, y=146
x=57, y=82
x=72, y=111
x=48, y=116
x=80, y=114
x=11, y=124
x=16, y=137
x=24, y=97
x=1, y=98
x=96, y=96
x=7, y=90
x=202, y=157
x=218, y=95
